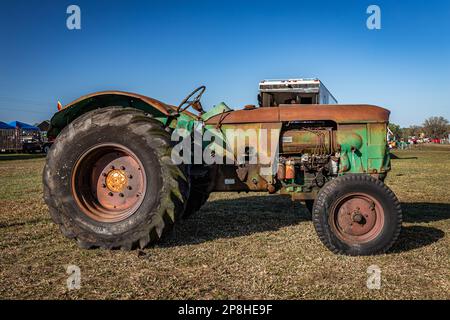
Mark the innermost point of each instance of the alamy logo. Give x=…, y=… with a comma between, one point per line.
x=374, y=20
x=374, y=279
x=228, y=146
x=74, y=279
x=73, y=21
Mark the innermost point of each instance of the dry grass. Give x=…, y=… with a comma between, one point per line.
x=238, y=246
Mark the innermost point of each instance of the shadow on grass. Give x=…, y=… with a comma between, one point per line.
x=24, y=156
x=230, y=218
x=395, y=157
x=22, y=223
x=425, y=212
x=414, y=237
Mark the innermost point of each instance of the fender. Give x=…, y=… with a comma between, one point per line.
x=73, y=110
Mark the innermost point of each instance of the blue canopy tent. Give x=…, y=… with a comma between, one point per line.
x=29, y=136
x=9, y=140
x=23, y=126
x=4, y=125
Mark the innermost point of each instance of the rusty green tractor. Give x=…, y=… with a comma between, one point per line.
x=125, y=167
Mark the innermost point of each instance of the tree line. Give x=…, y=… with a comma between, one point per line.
x=433, y=127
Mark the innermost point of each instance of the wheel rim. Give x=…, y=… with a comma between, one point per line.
x=357, y=218
x=108, y=183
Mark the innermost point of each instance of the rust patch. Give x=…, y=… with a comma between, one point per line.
x=338, y=113
x=161, y=106
x=108, y=183
x=357, y=218
x=247, y=116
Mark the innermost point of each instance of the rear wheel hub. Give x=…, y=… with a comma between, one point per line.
x=116, y=180
x=108, y=183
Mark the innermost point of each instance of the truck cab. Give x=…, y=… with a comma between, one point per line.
x=274, y=92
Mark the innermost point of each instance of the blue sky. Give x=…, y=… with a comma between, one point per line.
x=164, y=49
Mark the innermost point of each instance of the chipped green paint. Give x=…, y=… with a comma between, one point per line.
x=363, y=148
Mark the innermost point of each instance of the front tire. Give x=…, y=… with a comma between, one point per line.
x=109, y=180
x=357, y=214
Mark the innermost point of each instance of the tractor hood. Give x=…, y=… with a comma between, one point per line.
x=299, y=112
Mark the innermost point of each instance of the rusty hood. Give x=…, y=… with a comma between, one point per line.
x=339, y=113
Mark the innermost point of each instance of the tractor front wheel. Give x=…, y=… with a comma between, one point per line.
x=357, y=215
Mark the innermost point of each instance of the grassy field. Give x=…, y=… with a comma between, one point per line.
x=238, y=246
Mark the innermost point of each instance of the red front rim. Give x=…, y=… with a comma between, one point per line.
x=108, y=183
x=357, y=218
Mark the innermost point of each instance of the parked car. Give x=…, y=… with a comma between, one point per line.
x=46, y=146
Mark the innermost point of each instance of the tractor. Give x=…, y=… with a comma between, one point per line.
x=125, y=167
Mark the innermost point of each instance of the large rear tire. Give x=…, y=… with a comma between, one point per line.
x=196, y=200
x=199, y=191
x=109, y=180
x=357, y=214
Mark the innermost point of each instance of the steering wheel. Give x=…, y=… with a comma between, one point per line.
x=193, y=100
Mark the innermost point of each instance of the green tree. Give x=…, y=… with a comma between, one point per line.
x=436, y=127
x=396, y=130
x=412, y=131
x=415, y=130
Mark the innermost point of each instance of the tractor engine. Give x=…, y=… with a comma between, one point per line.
x=308, y=155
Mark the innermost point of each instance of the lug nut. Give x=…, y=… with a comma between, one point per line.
x=122, y=168
x=112, y=167
x=121, y=195
x=129, y=188
x=130, y=176
x=110, y=194
x=103, y=185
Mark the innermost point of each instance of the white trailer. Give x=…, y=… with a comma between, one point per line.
x=273, y=92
